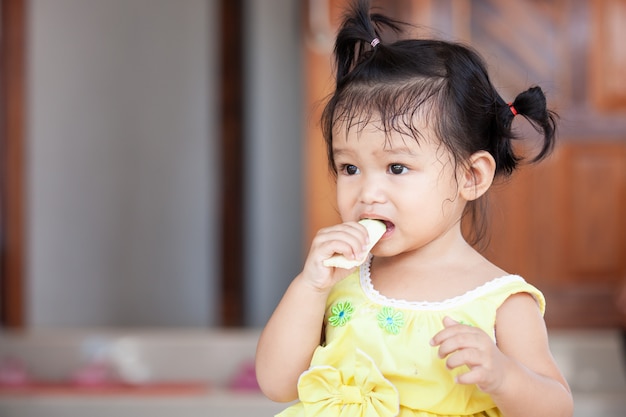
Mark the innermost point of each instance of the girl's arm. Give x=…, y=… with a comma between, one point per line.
x=287, y=343
x=294, y=331
x=519, y=371
x=533, y=384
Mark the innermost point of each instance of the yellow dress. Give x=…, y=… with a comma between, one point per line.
x=377, y=360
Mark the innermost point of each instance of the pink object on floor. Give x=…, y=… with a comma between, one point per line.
x=13, y=373
x=93, y=374
x=245, y=379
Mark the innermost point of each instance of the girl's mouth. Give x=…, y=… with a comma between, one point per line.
x=390, y=227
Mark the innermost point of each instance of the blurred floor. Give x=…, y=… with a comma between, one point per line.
x=593, y=361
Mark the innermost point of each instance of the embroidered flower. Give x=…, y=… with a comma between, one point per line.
x=342, y=312
x=390, y=320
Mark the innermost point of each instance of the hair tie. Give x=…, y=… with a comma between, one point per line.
x=513, y=110
x=374, y=42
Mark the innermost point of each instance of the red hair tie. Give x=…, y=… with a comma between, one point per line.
x=513, y=110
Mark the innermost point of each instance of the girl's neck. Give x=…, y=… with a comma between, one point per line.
x=432, y=274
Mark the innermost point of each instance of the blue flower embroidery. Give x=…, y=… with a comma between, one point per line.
x=342, y=312
x=390, y=320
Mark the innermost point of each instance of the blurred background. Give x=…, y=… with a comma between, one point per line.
x=163, y=168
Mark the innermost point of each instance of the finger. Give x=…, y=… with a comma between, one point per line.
x=450, y=330
x=329, y=232
x=449, y=322
x=469, y=357
x=476, y=375
x=485, y=381
x=346, y=239
x=334, y=244
x=463, y=337
x=351, y=231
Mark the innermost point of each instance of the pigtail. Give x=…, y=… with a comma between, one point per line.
x=532, y=105
x=352, y=40
x=358, y=38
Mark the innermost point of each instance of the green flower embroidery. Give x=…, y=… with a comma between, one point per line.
x=342, y=312
x=390, y=320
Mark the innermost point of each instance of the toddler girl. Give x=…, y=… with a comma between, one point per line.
x=416, y=134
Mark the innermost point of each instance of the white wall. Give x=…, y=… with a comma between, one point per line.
x=274, y=156
x=122, y=163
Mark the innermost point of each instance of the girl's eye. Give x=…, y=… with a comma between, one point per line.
x=397, y=169
x=350, y=169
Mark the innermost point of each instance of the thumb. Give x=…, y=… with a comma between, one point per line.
x=449, y=322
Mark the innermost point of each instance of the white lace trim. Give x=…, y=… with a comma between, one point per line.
x=373, y=294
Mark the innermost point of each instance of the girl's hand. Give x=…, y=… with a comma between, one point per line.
x=349, y=239
x=466, y=345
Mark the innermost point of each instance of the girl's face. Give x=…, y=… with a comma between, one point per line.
x=414, y=188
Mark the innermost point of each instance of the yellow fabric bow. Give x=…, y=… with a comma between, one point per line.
x=354, y=387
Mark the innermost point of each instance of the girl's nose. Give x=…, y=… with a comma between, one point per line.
x=372, y=192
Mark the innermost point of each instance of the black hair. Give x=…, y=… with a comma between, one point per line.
x=446, y=83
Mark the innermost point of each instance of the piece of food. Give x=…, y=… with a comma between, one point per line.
x=375, y=229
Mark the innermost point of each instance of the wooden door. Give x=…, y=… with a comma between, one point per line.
x=12, y=164
x=560, y=224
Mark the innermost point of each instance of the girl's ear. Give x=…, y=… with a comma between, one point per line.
x=478, y=175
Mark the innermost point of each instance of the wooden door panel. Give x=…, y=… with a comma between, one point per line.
x=595, y=245
x=608, y=58
x=561, y=226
